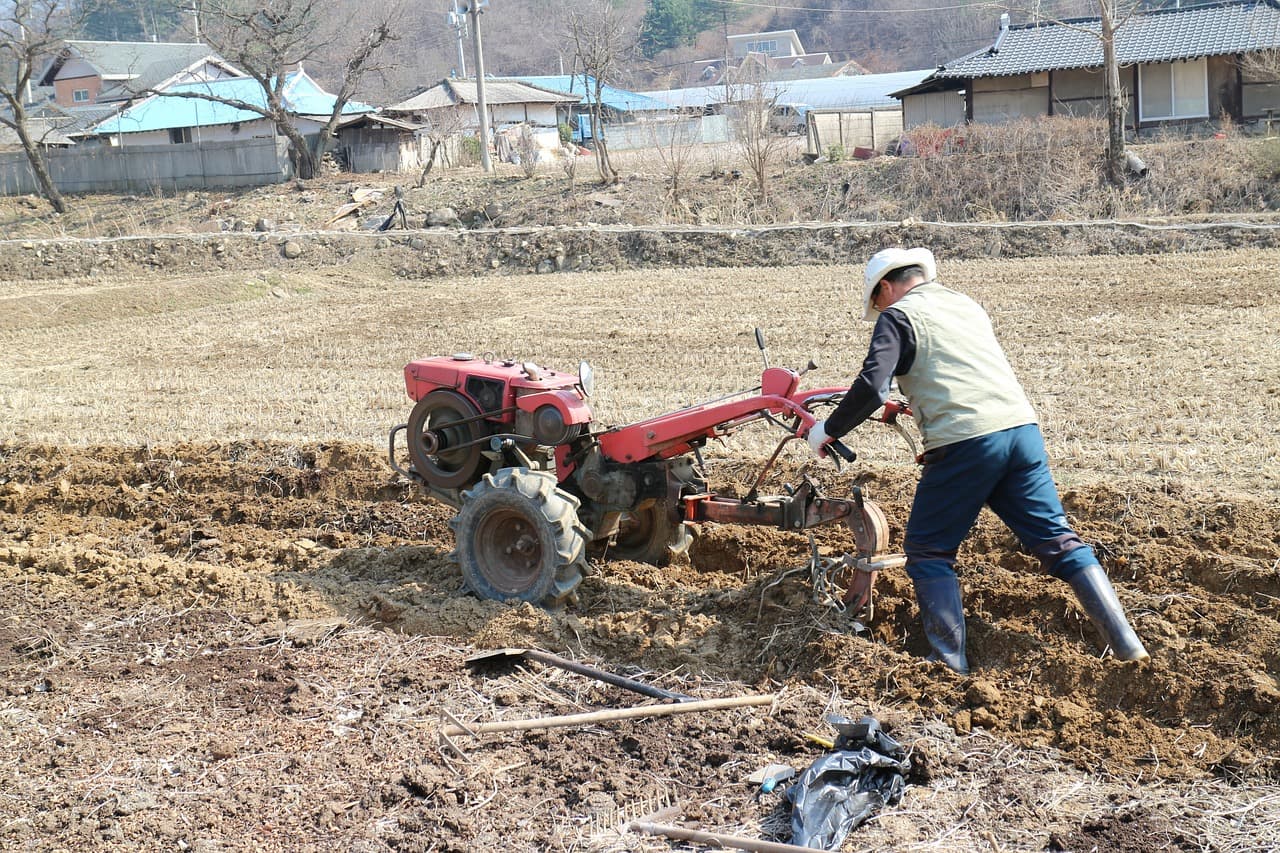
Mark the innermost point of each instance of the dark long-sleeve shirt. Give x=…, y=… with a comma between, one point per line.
x=891, y=353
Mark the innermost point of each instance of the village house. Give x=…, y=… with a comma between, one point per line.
x=450, y=109
x=455, y=102
x=88, y=73
x=171, y=117
x=775, y=54
x=1178, y=66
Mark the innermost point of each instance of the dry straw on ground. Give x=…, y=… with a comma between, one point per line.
x=1159, y=366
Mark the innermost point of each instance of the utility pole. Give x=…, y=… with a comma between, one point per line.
x=473, y=9
x=458, y=21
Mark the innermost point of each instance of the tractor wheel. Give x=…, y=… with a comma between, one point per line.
x=442, y=467
x=649, y=535
x=518, y=537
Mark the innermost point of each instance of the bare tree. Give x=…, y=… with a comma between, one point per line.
x=442, y=129
x=30, y=33
x=1262, y=66
x=675, y=143
x=600, y=40
x=268, y=38
x=1112, y=16
x=527, y=148
x=361, y=58
x=752, y=102
x=569, y=163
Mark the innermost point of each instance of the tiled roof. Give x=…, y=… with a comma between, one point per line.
x=450, y=93
x=374, y=118
x=43, y=130
x=152, y=76
x=817, y=72
x=1164, y=35
x=74, y=121
x=124, y=60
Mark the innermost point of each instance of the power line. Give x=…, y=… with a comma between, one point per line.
x=778, y=7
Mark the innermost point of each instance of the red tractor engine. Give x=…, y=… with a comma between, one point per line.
x=463, y=401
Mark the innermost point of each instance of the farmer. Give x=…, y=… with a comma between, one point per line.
x=982, y=445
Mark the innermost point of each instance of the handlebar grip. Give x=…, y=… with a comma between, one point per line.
x=842, y=450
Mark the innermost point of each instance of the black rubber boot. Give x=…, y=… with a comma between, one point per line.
x=1098, y=598
x=942, y=613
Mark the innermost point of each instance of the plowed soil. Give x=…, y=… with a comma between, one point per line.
x=239, y=642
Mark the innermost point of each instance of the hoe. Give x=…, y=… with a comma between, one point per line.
x=537, y=484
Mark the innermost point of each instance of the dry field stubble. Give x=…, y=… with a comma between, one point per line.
x=1139, y=366
x=190, y=472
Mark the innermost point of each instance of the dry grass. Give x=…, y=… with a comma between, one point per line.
x=1051, y=169
x=1159, y=366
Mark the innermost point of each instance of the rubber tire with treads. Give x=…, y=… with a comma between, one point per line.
x=649, y=536
x=518, y=537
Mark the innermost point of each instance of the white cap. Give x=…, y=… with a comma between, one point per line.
x=886, y=261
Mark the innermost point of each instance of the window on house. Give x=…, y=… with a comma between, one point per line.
x=1173, y=90
x=80, y=96
x=179, y=135
x=770, y=46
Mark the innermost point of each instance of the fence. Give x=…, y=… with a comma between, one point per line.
x=850, y=129
x=149, y=168
x=700, y=130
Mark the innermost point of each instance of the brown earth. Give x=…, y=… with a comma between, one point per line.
x=236, y=643
x=250, y=646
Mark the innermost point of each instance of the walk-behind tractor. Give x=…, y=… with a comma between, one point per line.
x=538, y=484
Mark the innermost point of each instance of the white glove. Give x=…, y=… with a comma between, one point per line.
x=818, y=439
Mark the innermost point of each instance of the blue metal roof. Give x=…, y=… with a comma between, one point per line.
x=160, y=112
x=865, y=91
x=584, y=84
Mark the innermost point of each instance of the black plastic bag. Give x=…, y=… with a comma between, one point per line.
x=845, y=787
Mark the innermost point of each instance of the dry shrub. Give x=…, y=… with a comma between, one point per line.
x=1052, y=168
x=527, y=146
x=1226, y=173
x=1045, y=169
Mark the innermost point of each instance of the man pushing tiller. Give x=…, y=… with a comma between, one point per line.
x=982, y=445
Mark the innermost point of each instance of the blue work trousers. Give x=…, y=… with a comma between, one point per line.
x=1007, y=471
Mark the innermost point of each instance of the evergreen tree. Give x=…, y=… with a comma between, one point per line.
x=128, y=20
x=672, y=23
x=666, y=24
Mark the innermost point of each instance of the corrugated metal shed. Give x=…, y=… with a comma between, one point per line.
x=867, y=91
x=373, y=119
x=612, y=97
x=161, y=112
x=1164, y=35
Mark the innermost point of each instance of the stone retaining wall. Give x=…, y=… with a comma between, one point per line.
x=443, y=251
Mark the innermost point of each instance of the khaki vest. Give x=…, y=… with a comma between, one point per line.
x=960, y=385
